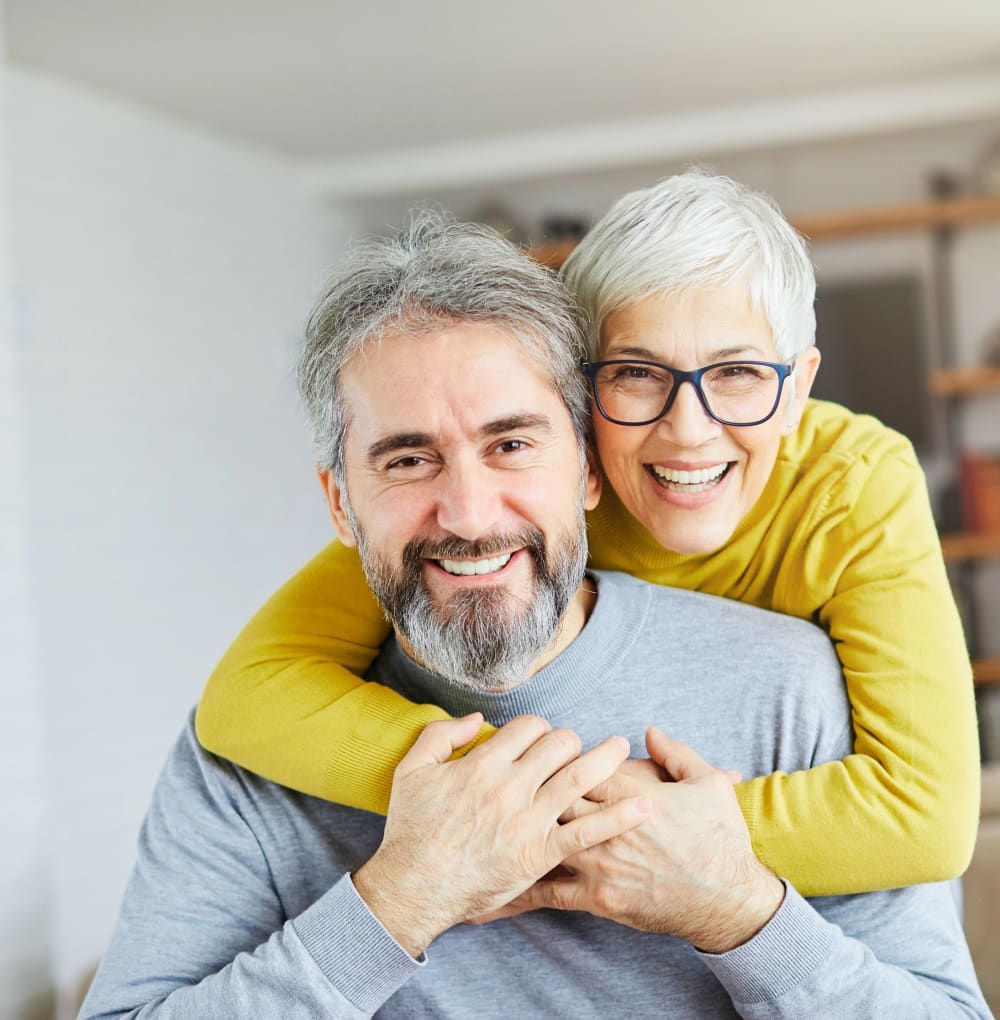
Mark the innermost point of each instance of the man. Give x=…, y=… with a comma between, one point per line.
x=455, y=441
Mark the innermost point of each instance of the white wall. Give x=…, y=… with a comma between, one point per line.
x=24, y=921
x=162, y=276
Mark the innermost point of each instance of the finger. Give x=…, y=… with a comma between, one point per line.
x=628, y=780
x=519, y=905
x=510, y=742
x=580, y=807
x=582, y=775
x=438, y=741
x=733, y=775
x=599, y=827
x=548, y=755
x=551, y=894
x=680, y=761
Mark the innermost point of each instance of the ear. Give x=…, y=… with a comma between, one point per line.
x=593, y=481
x=806, y=366
x=335, y=501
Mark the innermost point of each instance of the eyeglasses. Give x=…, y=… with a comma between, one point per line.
x=642, y=392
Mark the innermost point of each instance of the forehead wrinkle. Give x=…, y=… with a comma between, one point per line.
x=735, y=352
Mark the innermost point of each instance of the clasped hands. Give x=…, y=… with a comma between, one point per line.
x=525, y=820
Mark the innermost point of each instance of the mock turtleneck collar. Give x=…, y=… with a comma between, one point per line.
x=570, y=677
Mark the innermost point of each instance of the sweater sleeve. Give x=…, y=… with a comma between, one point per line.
x=287, y=702
x=903, y=808
x=203, y=932
x=803, y=965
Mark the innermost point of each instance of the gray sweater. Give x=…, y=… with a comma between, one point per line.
x=241, y=904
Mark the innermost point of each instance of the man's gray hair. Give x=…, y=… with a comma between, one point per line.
x=691, y=231
x=436, y=273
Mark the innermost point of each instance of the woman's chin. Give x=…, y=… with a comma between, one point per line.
x=689, y=532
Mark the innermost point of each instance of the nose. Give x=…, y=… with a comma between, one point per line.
x=469, y=502
x=687, y=423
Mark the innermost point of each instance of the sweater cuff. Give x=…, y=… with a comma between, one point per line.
x=783, y=954
x=352, y=949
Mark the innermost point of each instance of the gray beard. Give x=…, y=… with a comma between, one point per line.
x=483, y=638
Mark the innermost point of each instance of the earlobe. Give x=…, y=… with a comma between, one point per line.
x=335, y=502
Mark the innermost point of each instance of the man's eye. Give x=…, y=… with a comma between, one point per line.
x=406, y=462
x=511, y=446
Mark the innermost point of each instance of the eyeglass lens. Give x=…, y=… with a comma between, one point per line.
x=735, y=392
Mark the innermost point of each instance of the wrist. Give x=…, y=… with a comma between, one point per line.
x=757, y=904
x=404, y=914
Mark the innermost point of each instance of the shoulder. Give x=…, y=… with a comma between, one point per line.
x=838, y=465
x=696, y=653
x=197, y=778
x=695, y=617
x=830, y=434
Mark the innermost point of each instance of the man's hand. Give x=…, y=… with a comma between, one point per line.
x=464, y=837
x=688, y=870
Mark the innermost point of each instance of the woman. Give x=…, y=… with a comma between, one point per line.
x=723, y=478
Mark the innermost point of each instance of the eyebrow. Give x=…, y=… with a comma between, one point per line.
x=398, y=441
x=499, y=426
x=723, y=354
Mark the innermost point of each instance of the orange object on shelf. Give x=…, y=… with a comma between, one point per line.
x=980, y=485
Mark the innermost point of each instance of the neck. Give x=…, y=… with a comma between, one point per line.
x=572, y=621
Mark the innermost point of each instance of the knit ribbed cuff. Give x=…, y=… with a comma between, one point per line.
x=783, y=954
x=357, y=955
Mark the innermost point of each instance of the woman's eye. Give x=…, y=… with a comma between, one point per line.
x=633, y=372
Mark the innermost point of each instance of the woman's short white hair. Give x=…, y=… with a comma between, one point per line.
x=692, y=231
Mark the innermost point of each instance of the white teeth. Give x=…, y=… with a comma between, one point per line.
x=697, y=477
x=466, y=568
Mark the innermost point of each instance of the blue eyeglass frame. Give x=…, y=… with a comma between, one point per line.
x=591, y=368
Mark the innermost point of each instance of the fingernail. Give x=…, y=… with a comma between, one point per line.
x=644, y=805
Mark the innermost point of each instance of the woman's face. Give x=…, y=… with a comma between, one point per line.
x=646, y=465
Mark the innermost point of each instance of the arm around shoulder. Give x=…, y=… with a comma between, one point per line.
x=287, y=700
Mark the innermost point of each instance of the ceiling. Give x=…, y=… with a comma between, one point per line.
x=341, y=80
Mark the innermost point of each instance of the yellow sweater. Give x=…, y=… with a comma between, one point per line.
x=842, y=535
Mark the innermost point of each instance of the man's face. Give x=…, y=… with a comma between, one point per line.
x=465, y=493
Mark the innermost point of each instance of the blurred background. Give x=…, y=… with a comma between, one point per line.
x=177, y=176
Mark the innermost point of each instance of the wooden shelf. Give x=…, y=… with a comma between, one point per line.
x=986, y=672
x=951, y=212
x=970, y=546
x=965, y=382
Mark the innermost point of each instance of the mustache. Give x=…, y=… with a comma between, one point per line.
x=453, y=547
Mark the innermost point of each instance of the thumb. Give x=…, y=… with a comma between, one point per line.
x=438, y=741
x=680, y=761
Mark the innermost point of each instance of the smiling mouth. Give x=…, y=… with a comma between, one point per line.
x=698, y=480
x=470, y=568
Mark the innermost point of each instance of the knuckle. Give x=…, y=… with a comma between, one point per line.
x=718, y=780
x=582, y=834
x=530, y=725
x=567, y=740
x=578, y=776
x=602, y=897
x=435, y=731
